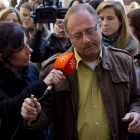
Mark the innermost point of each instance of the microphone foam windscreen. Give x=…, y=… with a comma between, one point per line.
x=66, y=62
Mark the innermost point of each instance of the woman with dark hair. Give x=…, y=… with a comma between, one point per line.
x=95, y=3
x=134, y=22
x=74, y=2
x=19, y=78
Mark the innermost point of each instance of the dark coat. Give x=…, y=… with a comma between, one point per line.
x=119, y=85
x=14, y=88
x=45, y=48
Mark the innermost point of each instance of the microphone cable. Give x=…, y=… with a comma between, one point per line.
x=46, y=93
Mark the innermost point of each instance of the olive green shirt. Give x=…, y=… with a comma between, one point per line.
x=93, y=122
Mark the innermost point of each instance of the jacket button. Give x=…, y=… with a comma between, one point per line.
x=75, y=136
x=58, y=113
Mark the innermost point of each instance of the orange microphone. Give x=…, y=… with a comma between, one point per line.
x=67, y=64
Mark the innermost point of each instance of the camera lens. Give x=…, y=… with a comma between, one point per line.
x=46, y=15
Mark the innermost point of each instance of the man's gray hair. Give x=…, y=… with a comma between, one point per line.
x=80, y=7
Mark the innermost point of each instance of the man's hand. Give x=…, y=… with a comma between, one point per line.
x=134, y=126
x=29, y=109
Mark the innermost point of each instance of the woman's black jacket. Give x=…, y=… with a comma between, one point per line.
x=14, y=88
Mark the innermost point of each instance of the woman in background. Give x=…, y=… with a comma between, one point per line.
x=115, y=28
x=25, y=10
x=134, y=22
x=11, y=15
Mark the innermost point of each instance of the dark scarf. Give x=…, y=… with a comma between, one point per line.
x=110, y=41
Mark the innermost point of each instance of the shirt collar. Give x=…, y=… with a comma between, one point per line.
x=78, y=58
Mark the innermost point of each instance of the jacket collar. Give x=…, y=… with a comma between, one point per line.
x=105, y=60
x=52, y=58
x=53, y=40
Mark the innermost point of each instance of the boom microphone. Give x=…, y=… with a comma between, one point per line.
x=67, y=64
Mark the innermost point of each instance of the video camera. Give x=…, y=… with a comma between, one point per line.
x=48, y=13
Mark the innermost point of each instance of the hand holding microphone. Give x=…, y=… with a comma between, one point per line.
x=55, y=77
x=31, y=108
x=65, y=64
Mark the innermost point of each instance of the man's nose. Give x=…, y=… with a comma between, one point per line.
x=86, y=39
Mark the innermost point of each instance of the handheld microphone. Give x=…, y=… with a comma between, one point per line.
x=67, y=64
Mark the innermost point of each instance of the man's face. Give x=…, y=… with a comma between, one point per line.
x=88, y=47
x=59, y=30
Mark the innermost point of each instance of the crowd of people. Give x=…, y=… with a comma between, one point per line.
x=100, y=100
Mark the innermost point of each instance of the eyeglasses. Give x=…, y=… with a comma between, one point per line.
x=88, y=33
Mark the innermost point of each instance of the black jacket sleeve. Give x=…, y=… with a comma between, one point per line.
x=11, y=105
x=38, y=44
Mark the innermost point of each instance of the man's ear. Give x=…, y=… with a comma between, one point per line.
x=1, y=57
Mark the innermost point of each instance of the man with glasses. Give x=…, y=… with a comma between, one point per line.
x=101, y=99
x=43, y=48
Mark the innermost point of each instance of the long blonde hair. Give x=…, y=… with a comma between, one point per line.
x=125, y=32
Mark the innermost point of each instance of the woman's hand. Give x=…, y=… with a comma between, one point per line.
x=54, y=77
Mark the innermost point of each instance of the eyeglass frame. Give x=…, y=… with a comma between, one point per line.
x=94, y=28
